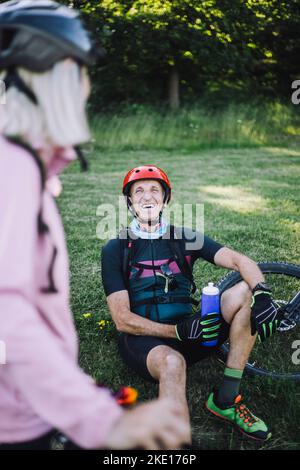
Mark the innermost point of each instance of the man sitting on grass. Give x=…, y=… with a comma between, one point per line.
x=147, y=278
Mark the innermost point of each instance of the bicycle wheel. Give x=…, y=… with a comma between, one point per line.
x=277, y=356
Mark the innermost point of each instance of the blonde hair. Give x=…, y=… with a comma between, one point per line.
x=59, y=118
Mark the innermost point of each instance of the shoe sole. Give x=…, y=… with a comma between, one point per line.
x=237, y=427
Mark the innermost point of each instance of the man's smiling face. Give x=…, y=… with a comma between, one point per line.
x=147, y=197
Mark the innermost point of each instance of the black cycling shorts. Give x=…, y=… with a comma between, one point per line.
x=135, y=349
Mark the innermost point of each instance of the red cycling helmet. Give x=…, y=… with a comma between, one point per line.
x=147, y=172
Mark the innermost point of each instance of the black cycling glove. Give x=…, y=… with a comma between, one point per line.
x=266, y=315
x=200, y=329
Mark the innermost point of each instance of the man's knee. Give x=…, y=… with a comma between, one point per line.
x=234, y=299
x=245, y=293
x=241, y=292
x=165, y=360
x=243, y=315
x=174, y=362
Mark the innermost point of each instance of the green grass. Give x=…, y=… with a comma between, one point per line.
x=252, y=201
x=199, y=126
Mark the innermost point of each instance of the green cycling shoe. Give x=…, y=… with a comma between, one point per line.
x=240, y=416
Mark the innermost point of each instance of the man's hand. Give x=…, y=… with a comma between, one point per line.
x=265, y=315
x=157, y=425
x=200, y=329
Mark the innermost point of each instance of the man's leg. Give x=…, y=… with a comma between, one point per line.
x=235, y=307
x=236, y=310
x=168, y=367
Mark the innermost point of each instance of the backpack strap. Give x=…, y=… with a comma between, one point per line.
x=126, y=253
x=42, y=226
x=179, y=255
x=166, y=299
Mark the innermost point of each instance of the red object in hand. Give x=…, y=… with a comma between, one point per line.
x=126, y=396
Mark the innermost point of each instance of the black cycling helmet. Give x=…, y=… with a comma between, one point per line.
x=35, y=34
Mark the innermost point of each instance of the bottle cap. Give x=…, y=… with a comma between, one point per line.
x=210, y=289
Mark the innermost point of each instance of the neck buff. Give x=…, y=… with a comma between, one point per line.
x=159, y=232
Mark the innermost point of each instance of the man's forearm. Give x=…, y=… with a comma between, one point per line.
x=250, y=272
x=140, y=326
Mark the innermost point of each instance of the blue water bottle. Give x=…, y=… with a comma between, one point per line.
x=210, y=303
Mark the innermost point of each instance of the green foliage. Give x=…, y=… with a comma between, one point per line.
x=238, y=47
x=244, y=45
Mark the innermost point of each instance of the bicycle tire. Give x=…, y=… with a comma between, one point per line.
x=232, y=278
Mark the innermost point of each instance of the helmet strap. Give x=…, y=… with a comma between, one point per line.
x=82, y=160
x=13, y=79
x=166, y=195
x=131, y=209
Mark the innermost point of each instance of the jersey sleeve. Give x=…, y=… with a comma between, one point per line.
x=111, y=268
x=209, y=249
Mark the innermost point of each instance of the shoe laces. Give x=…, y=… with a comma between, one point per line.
x=243, y=412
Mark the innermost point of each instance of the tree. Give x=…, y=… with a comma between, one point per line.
x=169, y=51
x=154, y=43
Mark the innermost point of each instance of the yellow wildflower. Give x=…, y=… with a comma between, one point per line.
x=86, y=315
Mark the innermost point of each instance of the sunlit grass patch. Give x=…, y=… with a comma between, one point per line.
x=234, y=198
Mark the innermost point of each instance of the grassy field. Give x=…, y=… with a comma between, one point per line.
x=200, y=126
x=252, y=200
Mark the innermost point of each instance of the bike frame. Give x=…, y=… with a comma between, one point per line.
x=292, y=309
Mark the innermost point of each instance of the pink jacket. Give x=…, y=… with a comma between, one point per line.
x=41, y=385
